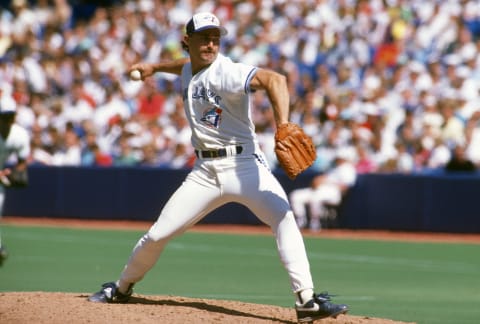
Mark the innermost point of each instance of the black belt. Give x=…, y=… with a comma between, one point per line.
x=217, y=153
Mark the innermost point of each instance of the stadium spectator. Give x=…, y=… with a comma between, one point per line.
x=364, y=163
x=376, y=65
x=149, y=156
x=150, y=101
x=459, y=161
x=71, y=152
x=111, y=109
x=125, y=156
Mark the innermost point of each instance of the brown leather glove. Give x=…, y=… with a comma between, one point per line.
x=294, y=149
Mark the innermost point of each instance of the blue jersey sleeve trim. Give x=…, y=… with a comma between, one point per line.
x=249, y=78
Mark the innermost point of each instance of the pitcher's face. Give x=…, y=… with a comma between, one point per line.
x=203, y=47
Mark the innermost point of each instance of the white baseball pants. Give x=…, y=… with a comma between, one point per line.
x=244, y=179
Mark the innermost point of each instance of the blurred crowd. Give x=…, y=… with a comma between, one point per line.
x=394, y=82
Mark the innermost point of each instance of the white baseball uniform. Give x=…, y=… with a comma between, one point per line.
x=17, y=145
x=230, y=168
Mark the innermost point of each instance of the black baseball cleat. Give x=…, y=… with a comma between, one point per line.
x=3, y=255
x=110, y=294
x=319, y=307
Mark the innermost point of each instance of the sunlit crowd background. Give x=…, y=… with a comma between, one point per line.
x=394, y=82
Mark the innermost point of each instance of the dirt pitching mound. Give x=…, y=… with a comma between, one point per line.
x=73, y=308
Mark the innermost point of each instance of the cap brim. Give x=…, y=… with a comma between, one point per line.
x=222, y=30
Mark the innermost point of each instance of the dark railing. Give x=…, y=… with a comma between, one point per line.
x=436, y=202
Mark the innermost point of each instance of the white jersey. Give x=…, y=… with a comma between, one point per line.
x=17, y=143
x=217, y=104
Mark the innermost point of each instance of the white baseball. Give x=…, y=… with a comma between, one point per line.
x=135, y=75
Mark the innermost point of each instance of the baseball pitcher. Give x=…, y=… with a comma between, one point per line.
x=230, y=166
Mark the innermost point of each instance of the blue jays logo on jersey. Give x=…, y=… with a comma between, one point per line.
x=202, y=96
x=212, y=117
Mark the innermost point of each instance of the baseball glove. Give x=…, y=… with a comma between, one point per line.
x=15, y=179
x=294, y=149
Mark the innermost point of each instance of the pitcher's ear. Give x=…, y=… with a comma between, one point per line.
x=184, y=43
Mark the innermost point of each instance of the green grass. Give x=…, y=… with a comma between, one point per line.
x=418, y=282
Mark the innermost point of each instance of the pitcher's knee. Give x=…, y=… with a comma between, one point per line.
x=287, y=220
x=158, y=236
